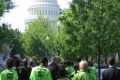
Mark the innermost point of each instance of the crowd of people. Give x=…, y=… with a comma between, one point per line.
x=56, y=70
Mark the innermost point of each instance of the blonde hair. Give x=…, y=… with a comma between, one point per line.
x=83, y=65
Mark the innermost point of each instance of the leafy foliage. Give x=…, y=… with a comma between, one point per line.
x=16, y=43
x=34, y=38
x=11, y=37
x=90, y=27
x=5, y=6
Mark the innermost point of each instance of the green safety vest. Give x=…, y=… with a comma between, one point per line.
x=82, y=75
x=70, y=70
x=93, y=71
x=9, y=75
x=64, y=79
x=40, y=73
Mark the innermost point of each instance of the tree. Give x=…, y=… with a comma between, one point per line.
x=88, y=26
x=5, y=6
x=11, y=37
x=92, y=26
x=8, y=35
x=16, y=43
x=34, y=38
x=4, y=31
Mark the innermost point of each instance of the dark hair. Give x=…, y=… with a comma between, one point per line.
x=10, y=63
x=31, y=63
x=111, y=61
x=44, y=60
x=68, y=63
x=78, y=59
x=90, y=63
x=25, y=63
x=17, y=63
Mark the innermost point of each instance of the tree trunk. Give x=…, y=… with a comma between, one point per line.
x=119, y=57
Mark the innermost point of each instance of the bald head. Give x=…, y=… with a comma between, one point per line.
x=83, y=65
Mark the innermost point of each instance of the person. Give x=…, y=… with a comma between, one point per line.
x=76, y=64
x=41, y=72
x=70, y=69
x=18, y=68
x=9, y=73
x=54, y=68
x=25, y=71
x=83, y=72
x=92, y=69
x=112, y=73
x=62, y=73
x=30, y=64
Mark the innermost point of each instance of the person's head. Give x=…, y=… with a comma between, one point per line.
x=83, y=65
x=31, y=63
x=79, y=59
x=68, y=63
x=25, y=63
x=17, y=63
x=44, y=61
x=111, y=61
x=56, y=60
x=90, y=63
x=77, y=62
x=10, y=63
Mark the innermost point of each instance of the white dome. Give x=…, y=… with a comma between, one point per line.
x=44, y=0
x=48, y=8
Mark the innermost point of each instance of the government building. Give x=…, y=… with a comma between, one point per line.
x=47, y=8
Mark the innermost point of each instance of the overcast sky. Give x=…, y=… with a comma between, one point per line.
x=17, y=15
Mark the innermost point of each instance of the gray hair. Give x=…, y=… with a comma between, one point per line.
x=56, y=58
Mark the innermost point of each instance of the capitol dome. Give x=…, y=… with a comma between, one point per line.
x=47, y=8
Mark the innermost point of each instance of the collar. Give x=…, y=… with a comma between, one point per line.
x=81, y=70
x=41, y=66
x=11, y=69
x=111, y=66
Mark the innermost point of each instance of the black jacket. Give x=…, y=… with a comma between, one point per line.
x=54, y=69
x=23, y=73
x=111, y=74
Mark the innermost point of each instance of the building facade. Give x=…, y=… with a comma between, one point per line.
x=47, y=8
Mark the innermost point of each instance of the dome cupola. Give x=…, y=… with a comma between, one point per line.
x=47, y=8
